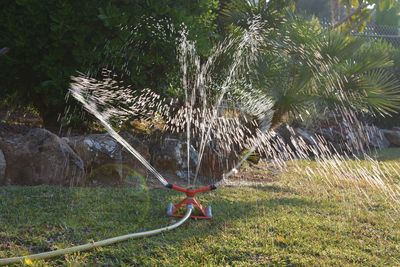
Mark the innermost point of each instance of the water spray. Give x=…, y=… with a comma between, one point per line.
x=189, y=202
x=98, y=97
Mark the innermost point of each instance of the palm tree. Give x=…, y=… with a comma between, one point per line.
x=240, y=12
x=304, y=66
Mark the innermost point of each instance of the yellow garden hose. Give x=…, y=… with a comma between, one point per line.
x=100, y=243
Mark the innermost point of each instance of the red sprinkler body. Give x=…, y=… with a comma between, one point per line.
x=205, y=212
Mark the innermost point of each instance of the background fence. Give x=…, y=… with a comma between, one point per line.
x=388, y=33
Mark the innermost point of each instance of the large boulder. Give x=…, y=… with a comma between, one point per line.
x=37, y=156
x=307, y=136
x=106, y=161
x=285, y=133
x=376, y=137
x=170, y=157
x=298, y=141
x=215, y=163
x=393, y=136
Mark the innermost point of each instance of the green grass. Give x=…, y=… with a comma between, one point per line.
x=288, y=222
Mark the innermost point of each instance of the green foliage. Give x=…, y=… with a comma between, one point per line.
x=50, y=40
x=359, y=12
x=379, y=4
x=240, y=12
x=305, y=66
x=366, y=78
x=389, y=16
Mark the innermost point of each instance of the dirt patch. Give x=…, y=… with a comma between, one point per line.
x=261, y=173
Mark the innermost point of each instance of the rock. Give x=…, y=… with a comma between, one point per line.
x=392, y=136
x=106, y=161
x=3, y=166
x=37, y=156
x=170, y=158
x=376, y=137
x=285, y=132
x=215, y=164
x=308, y=137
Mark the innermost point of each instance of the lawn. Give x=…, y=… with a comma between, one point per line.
x=289, y=221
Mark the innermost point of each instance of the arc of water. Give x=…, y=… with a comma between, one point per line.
x=238, y=61
x=188, y=57
x=77, y=92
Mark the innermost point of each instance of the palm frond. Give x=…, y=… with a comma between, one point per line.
x=381, y=91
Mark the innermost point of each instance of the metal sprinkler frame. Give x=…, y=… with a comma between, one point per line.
x=173, y=210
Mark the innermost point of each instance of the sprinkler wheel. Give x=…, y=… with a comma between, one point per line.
x=208, y=212
x=170, y=209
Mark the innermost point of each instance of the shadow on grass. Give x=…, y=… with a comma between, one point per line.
x=274, y=189
x=388, y=154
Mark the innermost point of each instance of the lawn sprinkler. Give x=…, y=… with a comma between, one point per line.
x=199, y=211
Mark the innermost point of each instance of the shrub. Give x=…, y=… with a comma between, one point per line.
x=50, y=40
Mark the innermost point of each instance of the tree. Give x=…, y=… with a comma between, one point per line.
x=304, y=67
x=50, y=40
x=357, y=13
x=349, y=13
x=240, y=12
x=389, y=16
x=350, y=73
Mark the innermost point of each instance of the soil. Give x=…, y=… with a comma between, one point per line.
x=20, y=117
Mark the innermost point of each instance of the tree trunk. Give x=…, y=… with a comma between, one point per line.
x=50, y=117
x=278, y=118
x=355, y=12
x=334, y=11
